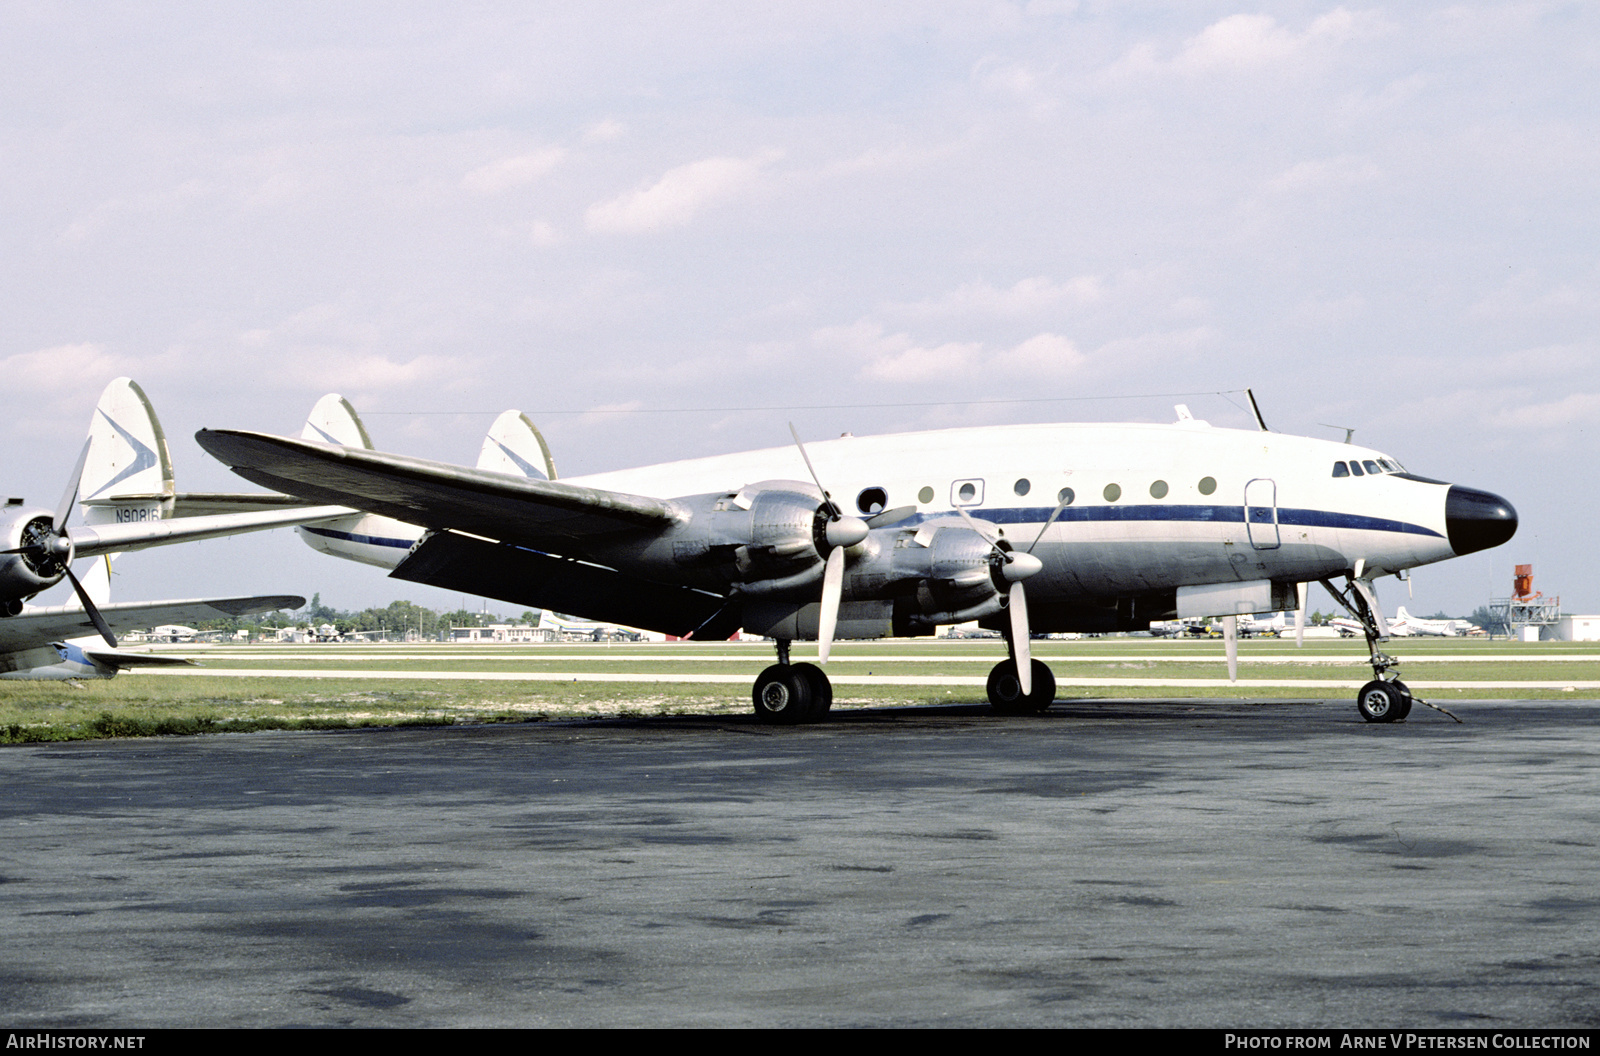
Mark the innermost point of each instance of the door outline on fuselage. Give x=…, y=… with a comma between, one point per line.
x=1260, y=497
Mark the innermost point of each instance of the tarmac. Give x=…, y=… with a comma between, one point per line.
x=1159, y=863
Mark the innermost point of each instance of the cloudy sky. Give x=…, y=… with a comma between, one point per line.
x=666, y=229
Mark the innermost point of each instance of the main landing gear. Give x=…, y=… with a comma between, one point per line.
x=1005, y=688
x=786, y=694
x=1385, y=698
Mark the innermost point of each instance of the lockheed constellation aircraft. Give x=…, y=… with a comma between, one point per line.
x=1024, y=528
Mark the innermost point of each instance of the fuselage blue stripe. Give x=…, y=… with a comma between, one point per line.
x=1185, y=513
x=370, y=540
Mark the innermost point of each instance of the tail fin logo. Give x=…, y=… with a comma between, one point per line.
x=143, y=457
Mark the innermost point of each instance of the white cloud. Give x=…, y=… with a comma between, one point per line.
x=1577, y=409
x=1250, y=41
x=60, y=368
x=512, y=172
x=1028, y=296
x=1346, y=170
x=678, y=196
x=899, y=359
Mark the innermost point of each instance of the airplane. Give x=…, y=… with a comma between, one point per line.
x=1110, y=526
x=1435, y=628
x=124, y=474
x=48, y=642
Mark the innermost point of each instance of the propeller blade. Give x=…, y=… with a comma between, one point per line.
x=832, y=590
x=1230, y=641
x=837, y=513
x=1300, y=615
x=64, y=510
x=1053, y=515
x=95, y=618
x=1019, y=637
x=887, y=517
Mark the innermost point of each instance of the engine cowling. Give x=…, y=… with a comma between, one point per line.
x=38, y=561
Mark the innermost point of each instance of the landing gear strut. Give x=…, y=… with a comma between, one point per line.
x=1385, y=698
x=787, y=694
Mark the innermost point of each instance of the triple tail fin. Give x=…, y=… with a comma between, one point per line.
x=334, y=421
x=516, y=447
x=127, y=473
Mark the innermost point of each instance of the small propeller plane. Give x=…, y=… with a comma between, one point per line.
x=1023, y=528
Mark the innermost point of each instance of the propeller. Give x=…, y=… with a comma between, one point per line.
x=841, y=533
x=1300, y=615
x=1230, y=642
x=53, y=546
x=1015, y=566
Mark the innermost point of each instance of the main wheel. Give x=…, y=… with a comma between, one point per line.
x=821, y=688
x=783, y=696
x=1005, y=689
x=1405, y=700
x=1381, y=701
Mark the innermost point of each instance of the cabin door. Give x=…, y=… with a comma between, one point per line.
x=1261, y=513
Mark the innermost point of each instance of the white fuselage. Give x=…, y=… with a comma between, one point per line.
x=1152, y=507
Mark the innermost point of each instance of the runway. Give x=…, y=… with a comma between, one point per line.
x=1127, y=863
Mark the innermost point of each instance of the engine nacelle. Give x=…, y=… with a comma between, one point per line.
x=767, y=539
x=38, y=567
x=937, y=572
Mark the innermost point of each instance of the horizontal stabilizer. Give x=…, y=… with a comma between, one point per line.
x=125, y=658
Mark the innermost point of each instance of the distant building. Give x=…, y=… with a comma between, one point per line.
x=1572, y=629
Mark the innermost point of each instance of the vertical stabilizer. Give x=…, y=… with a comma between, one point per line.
x=515, y=446
x=127, y=474
x=334, y=421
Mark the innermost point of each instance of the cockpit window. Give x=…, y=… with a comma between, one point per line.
x=1340, y=469
x=1355, y=469
x=1371, y=467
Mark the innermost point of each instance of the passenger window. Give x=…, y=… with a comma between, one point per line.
x=1158, y=490
x=925, y=496
x=966, y=493
x=1340, y=469
x=1065, y=497
x=1022, y=486
x=1208, y=485
x=1355, y=469
x=1113, y=492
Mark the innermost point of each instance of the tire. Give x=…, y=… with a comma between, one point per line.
x=1405, y=700
x=821, y=688
x=1380, y=701
x=1005, y=691
x=783, y=696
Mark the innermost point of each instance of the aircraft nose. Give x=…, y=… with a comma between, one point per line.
x=1477, y=520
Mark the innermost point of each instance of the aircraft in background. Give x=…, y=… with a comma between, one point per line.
x=1418, y=625
x=50, y=643
x=124, y=474
x=1111, y=527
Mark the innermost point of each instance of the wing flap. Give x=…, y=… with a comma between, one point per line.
x=436, y=494
x=526, y=577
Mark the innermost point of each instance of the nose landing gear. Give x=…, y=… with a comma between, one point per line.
x=1385, y=698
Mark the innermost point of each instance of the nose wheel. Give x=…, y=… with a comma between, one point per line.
x=1381, y=701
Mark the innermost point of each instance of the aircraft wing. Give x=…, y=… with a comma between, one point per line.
x=93, y=540
x=36, y=626
x=436, y=494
